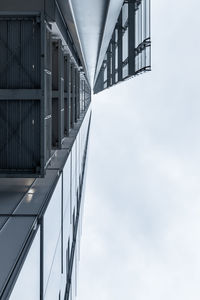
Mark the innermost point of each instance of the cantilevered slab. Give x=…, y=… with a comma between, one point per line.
x=111, y=20
x=95, y=21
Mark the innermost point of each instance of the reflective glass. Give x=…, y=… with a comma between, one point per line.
x=125, y=44
x=110, y=64
x=66, y=185
x=54, y=279
x=148, y=56
x=136, y=29
x=147, y=6
x=28, y=282
x=125, y=71
x=116, y=58
x=105, y=73
x=74, y=174
x=116, y=76
x=124, y=14
x=52, y=228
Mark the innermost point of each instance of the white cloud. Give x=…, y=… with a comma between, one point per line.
x=141, y=224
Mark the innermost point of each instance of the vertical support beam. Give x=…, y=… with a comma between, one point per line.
x=113, y=57
x=41, y=258
x=120, y=47
x=131, y=37
x=108, y=65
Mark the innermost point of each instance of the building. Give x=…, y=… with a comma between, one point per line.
x=52, y=53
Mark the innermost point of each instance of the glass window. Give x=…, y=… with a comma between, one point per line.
x=66, y=185
x=124, y=14
x=116, y=35
x=148, y=56
x=105, y=68
x=116, y=58
x=143, y=4
x=111, y=63
x=54, y=279
x=74, y=173
x=125, y=71
x=140, y=24
x=52, y=229
x=116, y=77
x=125, y=44
x=147, y=16
x=28, y=282
x=136, y=29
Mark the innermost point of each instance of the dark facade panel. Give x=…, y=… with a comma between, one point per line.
x=20, y=46
x=35, y=81
x=14, y=7
x=20, y=136
x=25, y=95
x=129, y=51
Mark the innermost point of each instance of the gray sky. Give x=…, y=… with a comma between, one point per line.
x=141, y=228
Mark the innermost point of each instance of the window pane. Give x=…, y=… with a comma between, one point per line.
x=125, y=44
x=52, y=228
x=28, y=282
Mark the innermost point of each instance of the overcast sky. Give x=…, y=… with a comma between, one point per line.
x=141, y=229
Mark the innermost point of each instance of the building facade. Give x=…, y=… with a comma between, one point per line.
x=51, y=55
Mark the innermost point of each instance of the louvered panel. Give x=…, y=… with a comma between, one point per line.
x=20, y=53
x=19, y=136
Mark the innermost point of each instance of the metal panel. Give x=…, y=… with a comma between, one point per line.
x=20, y=136
x=24, y=6
x=25, y=89
x=36, y=199
x=20, y=53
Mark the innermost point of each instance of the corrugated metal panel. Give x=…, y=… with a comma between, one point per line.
x=19, y=136
x=25, y=65
x=20, y=53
